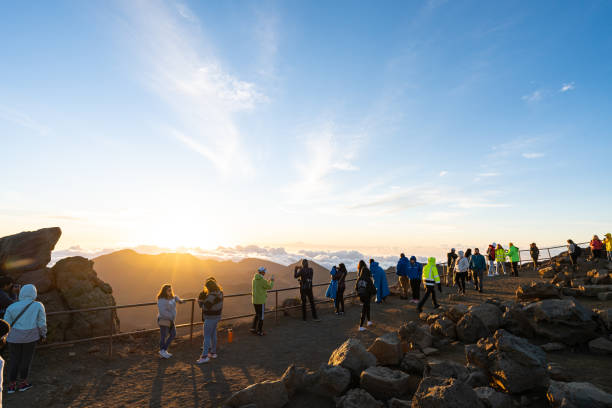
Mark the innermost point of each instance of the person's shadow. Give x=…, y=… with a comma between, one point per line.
x=157, y=388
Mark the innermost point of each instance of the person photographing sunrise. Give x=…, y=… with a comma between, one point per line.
x=259, y=295
x=304, y=275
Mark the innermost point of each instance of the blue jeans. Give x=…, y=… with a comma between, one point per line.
x=210, y=335
x=166, y=335
x=610, y=256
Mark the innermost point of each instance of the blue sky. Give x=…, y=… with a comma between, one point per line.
x=314, y=125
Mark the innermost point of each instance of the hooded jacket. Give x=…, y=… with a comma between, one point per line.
x=608, y=242
x=211, y=304
x=534, y=252
x=491, y=253
x=477, y=263
x=259, y=292
x=415, y=269
x=332, y=289
x=380, y=281
x=32, y=325
x=596, y=244
x=166, y=308
x=513, y=254
x=430, y=273
x=402, y=264
x=500, y=255
x=463, y=264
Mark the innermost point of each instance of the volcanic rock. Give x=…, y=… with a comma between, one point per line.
x=27, y=251
x=493, y=399
x=385, y=383
x=416, y=334
x=387, y=349
x=435, y=392
x=471, y=328
x=353, y=356
x=357, y=398
x=537, y=291
x=271, y=394
x=577, y=395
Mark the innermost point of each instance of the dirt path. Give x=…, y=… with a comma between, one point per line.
x=136, y=377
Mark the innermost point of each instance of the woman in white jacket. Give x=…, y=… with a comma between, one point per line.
x=28, y=322
x=166, y=306
x=461, y=270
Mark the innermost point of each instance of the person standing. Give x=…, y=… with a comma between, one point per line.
x=380, y=281
x=500, y=258
x=468, y=256
x=534, y=252
x=304, y=275
x=450, y=266
x=431, y=279
x=402, y=272
x=608, y=243
x=166, y=317
x=513, y=255
x=4, y=330
x=573, y=251
x=211, y=302
x=596, y=247
x=461, y=270
x=6, y=298
x=365, y=290
x=332, y=289
x=415, y=273
x=478, y=266
x=340, y=277
x=259, y=295
x=491, y=258
x=28, y=322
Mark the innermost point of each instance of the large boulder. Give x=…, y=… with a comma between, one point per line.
x=56, y=324
x=490, y=315
x=41, y=278
x=537, y=291
x=27, y=251
x=357, y=398
x=446, y=369
x=600, y=345
x=577, y=395
x=272, y=394
x=435, y=392
x=493, y=399
x=328, y=381
x=413, y=362
x=79, y=286
x=517, y=321
x=444, y=327
x=416, y=334
x=562, y=320
x=294, y=379
x=471, y=328
x=387, y=349
x=384, y=383
x=353, y=356
x=456, y=312
x=547, y=272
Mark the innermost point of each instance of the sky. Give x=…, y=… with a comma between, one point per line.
x=306, y=127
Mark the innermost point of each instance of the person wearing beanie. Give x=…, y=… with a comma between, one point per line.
x=4, y=330
x=259, y=295
x=402, y=272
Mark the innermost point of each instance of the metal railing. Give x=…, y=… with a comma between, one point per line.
x=112, y=334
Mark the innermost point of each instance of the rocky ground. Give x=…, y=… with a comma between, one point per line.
x=84, y=376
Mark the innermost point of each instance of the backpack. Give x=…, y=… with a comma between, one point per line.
x=578, y=250
x=362, y=288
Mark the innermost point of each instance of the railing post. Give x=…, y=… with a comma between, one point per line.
x=110, y=335
x=549, y=257
x=191, y=322
x=276, y=307
x=520, y=260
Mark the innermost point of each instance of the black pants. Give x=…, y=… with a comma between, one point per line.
x=429, y=290
x=478, y=278
x=307, y=294
x=415, y=285
x=573, y=258
x=259, y=318
x=514, y=268
x=535, y=261
x=597, y=253
x=20, y=358
x=339, y=301
x=460, y=278
x=365, y=310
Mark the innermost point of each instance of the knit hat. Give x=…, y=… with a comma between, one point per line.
x=261, y=269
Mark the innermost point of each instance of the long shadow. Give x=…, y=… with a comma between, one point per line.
x=157, y=388
x=194, y=385
x=215, y=384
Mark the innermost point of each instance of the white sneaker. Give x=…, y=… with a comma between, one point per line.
x=168, y=355
x=213, y=355
x=361, y=328
x=370, y=323
x=164, y=354
x=203, y=360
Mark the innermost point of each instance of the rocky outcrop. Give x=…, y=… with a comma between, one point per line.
x=384, y=383
x=537, y=291
x=444, y=327
x=387, y=349
x=352, y=356
x=27, y=251
x=416, y=334
x=435, y=392
x=490, y=315
x=413, y=362
x=271, y=394
x=471, y=328
x=70, y=284
x=577, y=395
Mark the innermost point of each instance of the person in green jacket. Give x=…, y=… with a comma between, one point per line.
x=513, y=254
x=430, y=279
x=259, y=295
x=500, y=258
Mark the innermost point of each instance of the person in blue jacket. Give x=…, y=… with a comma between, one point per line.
x=415, y=272
x=380, y=281
x=402, y=272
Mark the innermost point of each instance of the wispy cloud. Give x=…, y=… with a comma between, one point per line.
x=443, y=173
x=534, y=96
x=22, y=119
x=567, y=87
x=183, y=72
x=532, y=155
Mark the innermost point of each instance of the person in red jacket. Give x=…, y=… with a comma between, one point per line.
x=596, y=247
x=491, y=258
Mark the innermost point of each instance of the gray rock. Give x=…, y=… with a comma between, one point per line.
x=328, y=381
x=446, y=369
x=428, y=351
x=577, y=395
x=384, y=383
x=477, y=377
x=353, y=356
x=413, y=362
x=605, y=316
x=398, y=403
x=27, y=251
x=417, y=334
x=493, y=399
x=435, y=392
x=547, y=272
x=57, y=325
x=294, y=379
x=444, y=327
x=272, y=394
x=471, y=328
x=517, y=322
x=490, y=315
x=537, y=291
x=41, y=278
x=604, y=296
x=594, y=290
x=553, y=347
x=358, y=398
x=456, y=312
x=387, y=349
x=557, y=373
x=600, y=345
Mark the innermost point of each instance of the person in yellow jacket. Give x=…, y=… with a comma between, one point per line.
x=513, y=254
x=431, y=279
x=259, y=295
x=608, y=243
x=500, y=258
